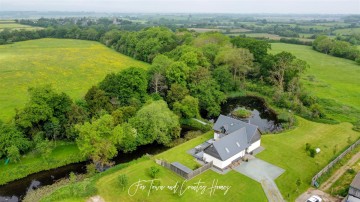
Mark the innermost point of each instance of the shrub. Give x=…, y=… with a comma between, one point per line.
x=307, y=146
x=351, y=171
x=357, y=60
x=192, y=134
x=241, y=113
x=312, y=152
x=13, y=153
x=317, y=111
x=356, y=126
x=123, y=181
x=154, y=171
x=72, y=177
x=91, y=169
x=195, y=125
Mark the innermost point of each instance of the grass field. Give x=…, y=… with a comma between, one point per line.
x=272, y=36
x=347, y=31
x=242, y=188
x=71, y=66
x=333, y=79
x=264, y=35
x=287, y=150
x=8, y=24
x=203, y=30
x=62, y=154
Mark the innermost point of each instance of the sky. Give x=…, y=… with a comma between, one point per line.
x=188, y=6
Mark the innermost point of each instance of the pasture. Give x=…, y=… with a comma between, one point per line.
x=71, y=66
x=12, y=25
x=347, y=31
x=203, y=30
x=334, y=80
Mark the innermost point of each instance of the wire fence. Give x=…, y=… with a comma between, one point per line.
x=328, y=167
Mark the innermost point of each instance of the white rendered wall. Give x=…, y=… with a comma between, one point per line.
x=253, y=146
x=222, y=164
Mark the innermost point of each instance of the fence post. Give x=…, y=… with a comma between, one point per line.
x=332, y=163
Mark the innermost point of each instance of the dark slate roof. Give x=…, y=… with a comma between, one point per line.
x=356, y=182
x=239, y=136
x=231, y=125
x=182, y=167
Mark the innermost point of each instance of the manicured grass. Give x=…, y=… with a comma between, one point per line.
x=71, y=66
x=242, y=187
x=177, y=153
x=335, y=80
x=287, y=150
x=62, y=154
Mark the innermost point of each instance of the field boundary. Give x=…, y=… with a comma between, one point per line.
x=332, y=163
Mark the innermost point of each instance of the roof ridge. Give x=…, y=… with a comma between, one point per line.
x=240, y=120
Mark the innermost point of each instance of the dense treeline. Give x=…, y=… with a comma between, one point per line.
x=353, y=38
x=295, y=41
x=190, y=74
x=336, y=48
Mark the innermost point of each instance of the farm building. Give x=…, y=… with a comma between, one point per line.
x=354, y=190
x=233, y=139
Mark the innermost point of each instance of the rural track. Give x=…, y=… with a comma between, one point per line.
x=327, y=184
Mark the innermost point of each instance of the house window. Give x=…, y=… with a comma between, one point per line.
x=227, y=150
x=238, y=144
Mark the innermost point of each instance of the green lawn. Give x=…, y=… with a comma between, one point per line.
x=63, y=154
x=287, y=150
x=177, y=153
x=72, y=66
x=333, y=79
x=242, y=187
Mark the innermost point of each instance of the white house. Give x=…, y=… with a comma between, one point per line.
x=233, y=139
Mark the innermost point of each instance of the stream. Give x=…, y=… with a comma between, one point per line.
x=261, y=116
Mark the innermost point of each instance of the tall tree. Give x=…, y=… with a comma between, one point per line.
x=155, y=122
x=128, y=84
x=258, y=48
x=11, y=136
x=285, y=70
x=157, y=73
x=97, y=100
x=239, y=60
x=97, y=140
x=44, y=107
